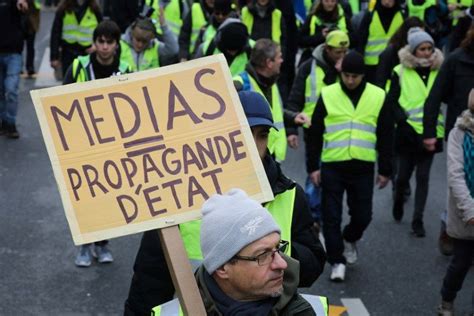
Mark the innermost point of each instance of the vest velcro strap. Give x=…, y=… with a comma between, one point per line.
x=348, y=143
x=279, y=125
x=414, y=111
x=350, y=125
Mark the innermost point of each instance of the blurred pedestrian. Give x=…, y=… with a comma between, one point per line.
x=375, y=31
x=32, y=22
x=11, y=46
x=411, y=83
x=460, y=223
x=104, y=62
x=71, y=34
x=356, y=128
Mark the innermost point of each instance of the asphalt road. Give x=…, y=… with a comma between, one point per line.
x=396, y=274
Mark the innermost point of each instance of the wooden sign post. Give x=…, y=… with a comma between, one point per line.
x=144, y=151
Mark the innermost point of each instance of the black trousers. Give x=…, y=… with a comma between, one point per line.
x=30, y=52
x=463, y=254
x=407, y=163
x=359, y=188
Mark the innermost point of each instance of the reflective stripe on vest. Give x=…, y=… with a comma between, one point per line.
x=419, y=10
x=281, y=209
x=313, y=85
x=149, y=60
x=378, y=39
x=81, y=33
x=316, y=21
x=172, y=12
x=457, y=13
x=319, y=304
x=276, y=139
x=171, y=308
x=82, y=69
x=350, y=132
x=413, y=94
x=247, y=19
x=198, y=21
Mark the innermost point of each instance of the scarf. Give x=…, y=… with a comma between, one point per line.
x=466, y=123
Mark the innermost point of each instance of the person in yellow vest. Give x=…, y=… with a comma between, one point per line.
x=261, y=75
x=233, y=41
x=410, y=86
x=71, y=34
x=221, y=11
x=197, y=17
x=351, y=127
x=102, y=63
x=151, y=283
x=245, y=269
x=375, y=31
x=324, y=17
x=140, y=48
x=173, y=11
x=419, y=8
x=314, y=74
x=457, y=9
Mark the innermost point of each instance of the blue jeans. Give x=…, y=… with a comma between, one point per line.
x=313, y=195
x=10, y=68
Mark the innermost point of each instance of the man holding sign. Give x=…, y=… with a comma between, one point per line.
x=151, y=284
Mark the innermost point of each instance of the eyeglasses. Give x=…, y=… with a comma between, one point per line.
x=266, y=257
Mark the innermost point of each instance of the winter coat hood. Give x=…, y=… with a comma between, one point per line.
x=409, y=60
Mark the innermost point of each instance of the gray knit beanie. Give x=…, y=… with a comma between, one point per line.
x=416, y=37
x=229, y=223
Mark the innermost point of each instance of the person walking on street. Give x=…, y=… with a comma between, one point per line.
x=71, y=34
x=411, y=83
x=356, y=127
x=460, y=223
x=11, y=46
x=313, y=75
x=102, y=63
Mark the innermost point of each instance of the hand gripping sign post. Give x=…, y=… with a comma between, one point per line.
x=142, y=151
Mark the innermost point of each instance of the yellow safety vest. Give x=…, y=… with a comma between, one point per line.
x=316, y=21
x=419, y=10
x=413, y=94
x=276, y=139
x=82, y=70
x=75, y=32
x=239, y=62
x=378, y=39
x=172, y=13
x=457, y=13
x=198, y=21
x=247, y=19
x=172, y=308
x=351, y=132
x=150, y=58
x=281, y=209
x=313, y=85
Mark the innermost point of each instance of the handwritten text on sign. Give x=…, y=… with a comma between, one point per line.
x=150, y=148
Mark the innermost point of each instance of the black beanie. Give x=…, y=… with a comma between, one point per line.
x=223, y=6
x=353, y=63
x=233, y=36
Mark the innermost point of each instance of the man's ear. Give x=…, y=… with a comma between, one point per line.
x=223, y=271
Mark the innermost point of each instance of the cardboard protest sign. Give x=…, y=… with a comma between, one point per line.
x=141, y=151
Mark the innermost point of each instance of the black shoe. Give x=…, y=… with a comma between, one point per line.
x=12, y=132
x=397, y=210
x=418, y=229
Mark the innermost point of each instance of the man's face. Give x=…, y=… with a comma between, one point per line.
x=351, y=81
x=388, y=3
x=141, y=39
x=249, y=281
x=220, y=16
x=210, y=3
x=275, y=64
x=105, y=48
x=336, y=54
x=260, y=136
x=329, y=5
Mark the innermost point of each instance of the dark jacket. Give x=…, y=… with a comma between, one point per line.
x=11, y=23
x=452, y=86
x=406, y=139
x=152, y=285
x=296, y=100
x=384, y=132
x=288, y=303
x=56, y=42
x=387, y=61
x=184, y=39
x=124, y=12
